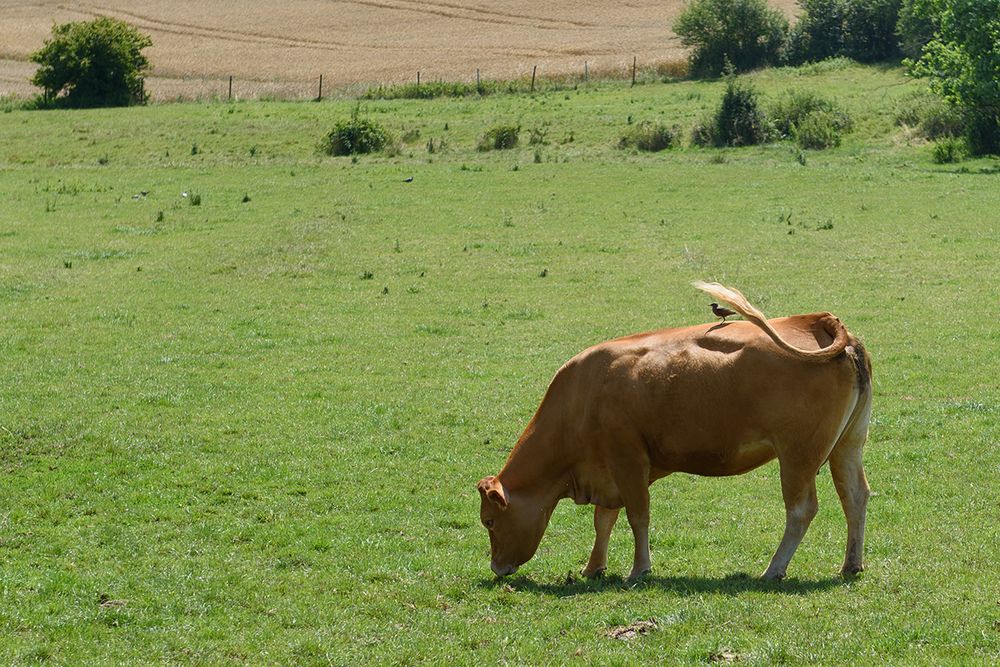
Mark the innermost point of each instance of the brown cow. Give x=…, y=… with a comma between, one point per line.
x=714, y=399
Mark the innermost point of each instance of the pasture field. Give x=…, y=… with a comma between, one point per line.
x=249, y=430
x=280, y=49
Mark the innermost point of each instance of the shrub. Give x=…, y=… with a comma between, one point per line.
x=746, y=33
x=704, y=134
x=793, y=108
x=949, y=149
x=739, y=120
x=648, y=136
x=817, y=130
x=93, y=64
x=356, y=136
x=499, y=137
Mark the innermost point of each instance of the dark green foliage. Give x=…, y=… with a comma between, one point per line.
x=648, y=136
x=870, y=30
x=864, y=30
x=499, y=137
x=739, y=121
x=963, y=64
x=915, y=27
x=745, y=33
x=819, y=32
x=355, y=136
x=95, y=63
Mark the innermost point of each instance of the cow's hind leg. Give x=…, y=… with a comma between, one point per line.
x=852, y=487
x=798, y=487
x=604, y=521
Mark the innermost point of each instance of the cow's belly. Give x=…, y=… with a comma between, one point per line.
x=715, y=461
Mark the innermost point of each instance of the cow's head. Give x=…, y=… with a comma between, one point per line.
x=515, y=522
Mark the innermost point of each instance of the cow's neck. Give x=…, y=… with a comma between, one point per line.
x=538, y=465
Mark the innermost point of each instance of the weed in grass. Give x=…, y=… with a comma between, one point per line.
x=367, y=275
x=499, y=137
x=253, y=150
x=538, y=156
x=195, y=199
x=159, y=216
x=103, y=160
x=194, y=149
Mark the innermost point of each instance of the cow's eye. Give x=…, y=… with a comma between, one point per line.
x=488, y=523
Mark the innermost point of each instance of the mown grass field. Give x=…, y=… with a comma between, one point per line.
x=249, y=431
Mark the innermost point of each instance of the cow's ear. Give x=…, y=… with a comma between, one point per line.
x=491, y=489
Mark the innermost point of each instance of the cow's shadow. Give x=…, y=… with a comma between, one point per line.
x=733, y=584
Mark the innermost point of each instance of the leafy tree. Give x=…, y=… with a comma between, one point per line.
x=746, y=33
x=916, y=27
x=861, y=29
x=962, y=62
x=819, y=32
x=93, y=63
x=870, y=30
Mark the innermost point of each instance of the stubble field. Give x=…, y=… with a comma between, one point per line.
x=280, y=48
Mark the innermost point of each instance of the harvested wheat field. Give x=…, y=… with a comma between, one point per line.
x=280, y=49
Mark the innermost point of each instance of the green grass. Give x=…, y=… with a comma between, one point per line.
x=250, y=431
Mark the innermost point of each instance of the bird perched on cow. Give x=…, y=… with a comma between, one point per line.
x=719, y=311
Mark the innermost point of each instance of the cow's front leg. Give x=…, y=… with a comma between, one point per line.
x=604, y=521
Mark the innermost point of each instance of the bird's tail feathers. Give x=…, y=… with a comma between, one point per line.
x=742, y=305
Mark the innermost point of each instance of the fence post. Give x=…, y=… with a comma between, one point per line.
x=634, y=61
x=319, y=98
x=230, y=87
x=586, y=71
x=533, y=70
x=479, y=86
x=418, y=78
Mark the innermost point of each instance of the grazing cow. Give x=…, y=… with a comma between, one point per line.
x=714, y=399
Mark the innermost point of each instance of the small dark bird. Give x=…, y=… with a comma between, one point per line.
x=719, y=311
x=408, y=180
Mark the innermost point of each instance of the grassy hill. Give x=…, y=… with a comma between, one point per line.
x=249, y=430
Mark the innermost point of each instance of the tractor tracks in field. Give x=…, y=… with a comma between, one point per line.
x=447, y=10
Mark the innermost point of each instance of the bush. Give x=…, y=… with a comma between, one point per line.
x=356, y=136
x=93, y=64
x=949, y=149
x=648, y=136
x=818, y=130
x=499, y=137
x=739, y=121
x=789, y=112
x=746, y=33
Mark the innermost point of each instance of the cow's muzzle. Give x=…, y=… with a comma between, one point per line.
x=502, y=570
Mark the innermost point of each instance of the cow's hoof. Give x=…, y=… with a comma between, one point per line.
x=637, y=574
x=851, y=570
x=772, y=576
x=593, y=572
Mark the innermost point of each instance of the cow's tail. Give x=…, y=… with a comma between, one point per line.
x=832, y=325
